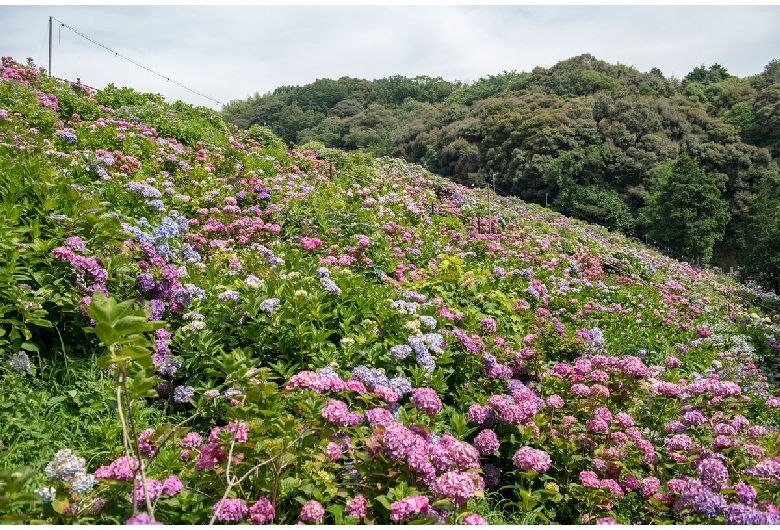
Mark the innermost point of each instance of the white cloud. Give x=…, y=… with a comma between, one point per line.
x=232, y=52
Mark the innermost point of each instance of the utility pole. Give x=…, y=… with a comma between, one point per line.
x=545, y=200
x=49, y=46
x=494, y=193
x=490, y=219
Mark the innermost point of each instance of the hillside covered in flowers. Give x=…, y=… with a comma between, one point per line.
x=200, y=325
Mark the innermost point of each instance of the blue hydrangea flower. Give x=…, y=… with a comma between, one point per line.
x=418, y=344
x=189, y=254
x=67, y=137
x=400, y=386
x=167, y=229
x=19, y=362
x=428, y=322
x=328, y=372
x=183, y=394
x=401, y=351
x=228, y=295
x=425, y=360
x=81, y=482
x=330, y=286
x=269, y=304
x=169, y=366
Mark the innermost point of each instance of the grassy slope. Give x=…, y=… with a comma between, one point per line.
x=545, y=280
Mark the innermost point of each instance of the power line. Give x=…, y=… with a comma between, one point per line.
x=117, y=54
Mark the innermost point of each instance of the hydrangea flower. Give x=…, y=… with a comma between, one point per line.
x=183, y=394
x=262, y=511
x=19, y=362
x=357, y=507
x=232, y=510
x=47, y=493
x=141, y=518
x=530, y=459
x=312, y=512
x=486, y=442
x=426, y=400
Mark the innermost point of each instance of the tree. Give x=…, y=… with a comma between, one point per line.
x=686, y=212
x=759, y=240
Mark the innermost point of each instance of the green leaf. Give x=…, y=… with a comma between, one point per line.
x=131, y=324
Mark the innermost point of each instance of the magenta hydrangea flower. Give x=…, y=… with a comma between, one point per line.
x=530, y=459
x=333, y=451
x=649, y=486
x=120, y=469
x=209, y=456
x=474, y=519
x=338, y=413
x=171, y=486
x=153, y=489
x=590, y=479
x=405, y=508
x=192, y=440
x=554, y=401
x=478, y=413
x=141, y=518
x=486, y=442
x=262, y=511
x=357, y=507
x=230, y=510
x=312, y=512
x=460, y=487
x=426, y=400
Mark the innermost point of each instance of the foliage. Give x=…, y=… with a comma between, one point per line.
x=200, y=325
x=686, y=213
x=552, y=134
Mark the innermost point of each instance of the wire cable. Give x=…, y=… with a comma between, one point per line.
x=40, y=52
x=117, y=54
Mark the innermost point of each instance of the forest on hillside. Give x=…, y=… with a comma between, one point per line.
x=687, y=164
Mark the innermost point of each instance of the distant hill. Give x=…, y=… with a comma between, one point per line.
x=586, y=137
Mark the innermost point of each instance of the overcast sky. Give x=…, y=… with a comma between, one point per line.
x=232, y=52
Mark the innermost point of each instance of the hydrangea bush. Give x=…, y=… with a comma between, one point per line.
x=201, y=326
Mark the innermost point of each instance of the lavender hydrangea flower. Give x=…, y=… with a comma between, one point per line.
x=330, y=286
x=19, y=362
x=400, y=351
x=269, y=304
x=428, y=321
x=47, y=493
x=183, y=394
x=228, y=295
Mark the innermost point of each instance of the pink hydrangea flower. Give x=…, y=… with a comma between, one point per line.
x=230, y=510
x=589, y=479
x=649, y=486
x=555, y=401
x=530, y=459
x=405, y=508
x=172, y=485
x=309, y=243
x=262, y=511
x=312, y=512
x=486, y=442
x=357, y=507
x=141, y=518
x=426, y=400
x=333, y=451
x=474, y=519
